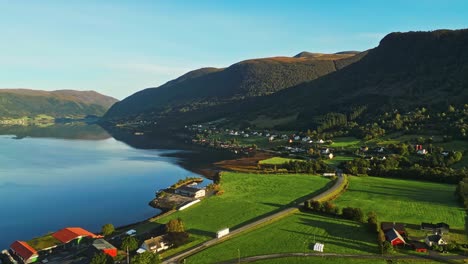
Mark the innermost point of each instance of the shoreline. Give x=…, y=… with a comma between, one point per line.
x=208, y=173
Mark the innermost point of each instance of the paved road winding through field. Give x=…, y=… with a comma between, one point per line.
x=270, y=218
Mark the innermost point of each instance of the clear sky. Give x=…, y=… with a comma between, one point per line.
x=120, y=47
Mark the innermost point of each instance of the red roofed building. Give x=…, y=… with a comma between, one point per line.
x=24, y=251
x=106, y=247
x=69, y=234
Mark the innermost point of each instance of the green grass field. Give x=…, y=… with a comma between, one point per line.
x=337, y=160
x=277, y=160
x=246, y=198
x=327, y=260
x=295, y=233
x=345, y=142
x=404, y=200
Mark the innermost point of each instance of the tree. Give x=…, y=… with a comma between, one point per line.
x=329, y=207
x=107, y=229
x=146, y=258
x=101, y=258
x=387, y=247
x=175, y=225
x=372, y=221
x=316, y=206
x=129, y=242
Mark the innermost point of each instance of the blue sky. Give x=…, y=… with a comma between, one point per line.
x=120, y=47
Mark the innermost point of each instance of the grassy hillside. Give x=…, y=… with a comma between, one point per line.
x=16, y=103
x=210, y=87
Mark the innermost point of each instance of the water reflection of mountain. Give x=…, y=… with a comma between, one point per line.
x=62, y=131
x=190, y=156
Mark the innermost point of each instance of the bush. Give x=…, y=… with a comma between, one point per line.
x=175, y=225
x=107, y=229
x=353, y=214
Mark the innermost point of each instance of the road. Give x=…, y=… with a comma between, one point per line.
x=439, y=258
x=294, y=208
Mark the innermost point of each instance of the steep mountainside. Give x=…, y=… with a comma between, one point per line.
x=16, y=103
x=209, y=87
x=406, y=70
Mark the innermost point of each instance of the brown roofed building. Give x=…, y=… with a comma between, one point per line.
x=387, y=226
x=24, y=251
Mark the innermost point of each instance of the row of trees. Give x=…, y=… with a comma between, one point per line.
x=401, y=167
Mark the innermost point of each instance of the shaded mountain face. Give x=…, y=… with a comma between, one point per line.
x=208, y=87
x=406, y=70
x=16, y=103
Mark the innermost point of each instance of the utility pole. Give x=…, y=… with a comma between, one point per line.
x=128, y=257
x=238, y=256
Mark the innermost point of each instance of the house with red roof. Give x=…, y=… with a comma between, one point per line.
x=24, y=251
x=394, y=237
x=105, y=247
x=73, y=234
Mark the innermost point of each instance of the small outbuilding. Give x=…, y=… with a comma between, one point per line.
x=419, y=247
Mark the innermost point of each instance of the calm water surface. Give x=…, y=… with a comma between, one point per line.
x=47, y=184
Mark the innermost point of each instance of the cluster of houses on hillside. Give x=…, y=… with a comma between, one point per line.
x=396, y=234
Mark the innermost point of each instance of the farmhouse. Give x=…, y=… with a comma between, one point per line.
x=439, y=228
x=24, y=251
x=399, y=227
x=154, y=244
x=73, y=234
x=190, y=191
x=105, y=247
x=394, y=237
x=435, y=240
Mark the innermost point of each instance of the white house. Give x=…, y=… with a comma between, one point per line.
x=297, y=138
x=190, y=191
x=320, y=141
x=435, y=240
x=154, y=244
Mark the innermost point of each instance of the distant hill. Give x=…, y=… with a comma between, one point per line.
x=16, y=103
x=207, y=87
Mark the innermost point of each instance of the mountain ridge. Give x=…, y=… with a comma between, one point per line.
x=245, y=79
x=20, y=102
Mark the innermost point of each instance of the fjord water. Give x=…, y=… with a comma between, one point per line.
x=50, y=183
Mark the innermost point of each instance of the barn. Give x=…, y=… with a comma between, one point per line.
x=394, y=237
